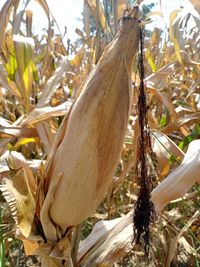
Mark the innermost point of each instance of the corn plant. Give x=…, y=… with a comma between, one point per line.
x=70, y=132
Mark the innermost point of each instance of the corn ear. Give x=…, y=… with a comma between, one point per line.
x=88, y=146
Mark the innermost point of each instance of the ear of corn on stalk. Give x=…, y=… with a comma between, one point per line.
x=88, y=146
x=85, y=154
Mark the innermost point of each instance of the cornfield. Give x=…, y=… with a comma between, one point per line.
x=100, y=137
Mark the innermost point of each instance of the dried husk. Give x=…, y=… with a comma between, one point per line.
x=178, y=182
x=88, y=146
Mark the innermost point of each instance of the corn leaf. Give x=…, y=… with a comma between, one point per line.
x=178, y=182
x=24, y=49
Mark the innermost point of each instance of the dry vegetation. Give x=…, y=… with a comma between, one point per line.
x=40, y=79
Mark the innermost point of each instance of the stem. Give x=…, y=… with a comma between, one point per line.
x=2, y=245
x=75, y=243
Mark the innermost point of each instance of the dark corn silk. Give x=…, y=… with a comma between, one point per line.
x=144, y=212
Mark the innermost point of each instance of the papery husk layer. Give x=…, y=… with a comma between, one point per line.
x=88, y=146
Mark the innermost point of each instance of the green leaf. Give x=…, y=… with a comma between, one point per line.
x=11, y=66
x=163, y=121
x=24, y=49
x=151, y=61
x=194, y=135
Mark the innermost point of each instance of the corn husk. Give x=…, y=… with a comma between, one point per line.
x=88, y=146
x=178, y=182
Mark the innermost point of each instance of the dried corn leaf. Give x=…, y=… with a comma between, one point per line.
x=18, y=19
x=165, y=149
x=109, y=238
x=32, y=164
x=178, y=182
x=194, y=194
x=16, y=161
x=182, y=111
x=4, y=18
x=122, y=5
x=17, y=193
x=119, y=8
x=46, y=135
x=196, y=5
x=109, y=241
x=4, y=122
x=127, y=166
x=155, y=37
x=77, y=59
x=3, y=78
x=193, y=88
x=175, y=125
x=29, y=246
x=96, y=237
x=114, y=248
x=45, y=113
x=18, y=132
x=187, y=246
x=101, y=19
x=54, y=81
x=3, y=145
x=29, y=21
x=158, y=78
x=86, y=20
x=47, y=56
x=176, y=32
x=163, y=99
x=174, y=241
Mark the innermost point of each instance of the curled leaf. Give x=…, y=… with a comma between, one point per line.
x=178, y=182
